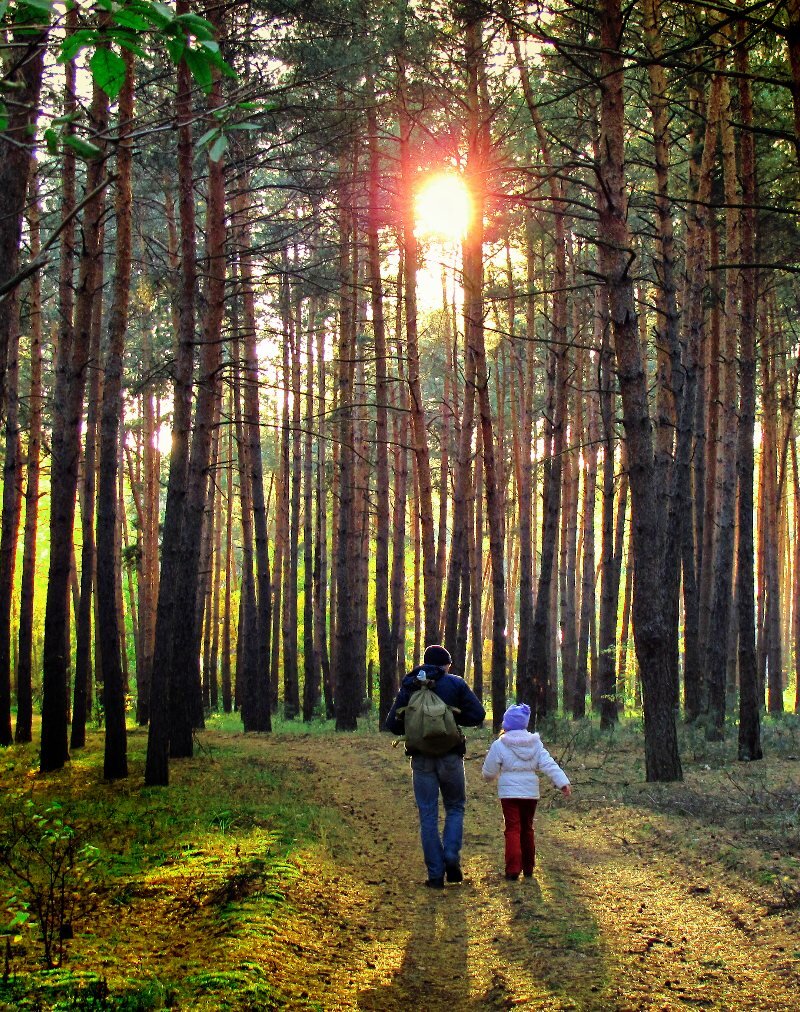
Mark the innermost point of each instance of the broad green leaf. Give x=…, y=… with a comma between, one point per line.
x=199, y=27
x=156, y=14
x=74, y=43
x=165, y=12
x=176, y=49
x=199, y=67
x=108, y=71
x=208, y=136
x=4, y=7
x=218, y=148
x=39, y=5
x=245, y=126
x=129, y=42
x=3, y=117
x=130, y=20
x=84, y=148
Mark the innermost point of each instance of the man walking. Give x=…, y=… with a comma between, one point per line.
x=434, y=773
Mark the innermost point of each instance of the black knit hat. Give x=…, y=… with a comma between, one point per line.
x=435, y=654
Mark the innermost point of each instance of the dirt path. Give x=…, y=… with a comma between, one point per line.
x=608, y=923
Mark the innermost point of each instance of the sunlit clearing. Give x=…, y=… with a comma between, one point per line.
x=443, y=207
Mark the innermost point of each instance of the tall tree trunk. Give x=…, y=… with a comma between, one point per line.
x=186, y=710
x=348, y=680
x=419, y=428
x=158, y=740
x=68, y=413
x=535, y=682
x=716, y=661
x=262, y=720
x=477, y=165
x=311, y=683
x=588, y=574
x=115, y=763
x=24, y=75
x=23, y=730
x=82, y=688
x=387, y=656
x=12, y=507
x=749, y=743
x=694, y=291
x=649, y=620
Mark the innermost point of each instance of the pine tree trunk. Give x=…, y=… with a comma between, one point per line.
x=716, y=661
x=419, y=427
x=23, y=731
x=347, y=679
x=73, y=361
x=82, y=688
x=16, y=163
x=158, y=741
x=749, y=743
x=694, y=290
x=186, y=711
x=311, y=667
x=115, y=762
x=262, y=720
x=649, y=620
x=12, y=507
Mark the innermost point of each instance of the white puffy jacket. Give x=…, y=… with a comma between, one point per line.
x=514, y=760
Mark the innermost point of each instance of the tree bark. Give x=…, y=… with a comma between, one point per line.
x=158, y=740
x=68, y=412
x=23, y=731
x=651, y=634
x=115, y=762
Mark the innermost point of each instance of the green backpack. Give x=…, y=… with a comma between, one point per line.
x=430, y=723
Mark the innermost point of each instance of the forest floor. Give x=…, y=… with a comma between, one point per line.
x=284, y=871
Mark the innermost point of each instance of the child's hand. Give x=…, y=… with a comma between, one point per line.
x=566, y=790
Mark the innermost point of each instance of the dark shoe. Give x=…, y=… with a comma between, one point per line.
x=512, y=878
x=453, y=873
x=435, y=883
x=527, y=874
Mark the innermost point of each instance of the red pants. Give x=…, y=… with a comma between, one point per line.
x=520, y=845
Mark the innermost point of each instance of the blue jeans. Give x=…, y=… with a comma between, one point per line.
x=432, y=774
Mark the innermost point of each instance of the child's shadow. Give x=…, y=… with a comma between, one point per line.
x=433, y=972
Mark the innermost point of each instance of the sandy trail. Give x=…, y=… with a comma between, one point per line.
x=606, y=924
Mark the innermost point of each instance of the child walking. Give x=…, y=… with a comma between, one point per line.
x=513, y=761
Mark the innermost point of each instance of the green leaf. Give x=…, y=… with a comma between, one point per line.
x=129, y=42
x=197, y=26
x=157, y=15
x=199, y=67
x=73, y=44
x=51, y=140
x=218, y=148
x=84, y=148
x=108, y=71
x=3, y=117
x=246, y=126
x=106, y=5
x=208, y=136
x=165, y=12
x=176, y=49
x=130, y=20
x=39, y=5
x=4, y=7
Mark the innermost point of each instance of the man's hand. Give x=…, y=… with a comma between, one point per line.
x=566, y=790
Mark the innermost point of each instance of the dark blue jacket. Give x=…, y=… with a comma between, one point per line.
x=451, y=688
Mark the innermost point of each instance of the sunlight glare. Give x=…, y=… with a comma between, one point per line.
x=443, y=207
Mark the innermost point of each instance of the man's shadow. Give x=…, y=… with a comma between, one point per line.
x=433, y=971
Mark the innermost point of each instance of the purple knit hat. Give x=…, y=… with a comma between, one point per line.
x=516, y=717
